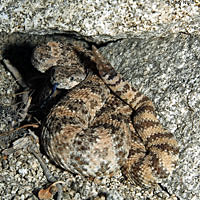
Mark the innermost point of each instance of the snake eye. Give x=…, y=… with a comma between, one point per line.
x=71, y=78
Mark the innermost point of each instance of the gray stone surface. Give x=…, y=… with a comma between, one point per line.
x=100, y=20
x=167, y=69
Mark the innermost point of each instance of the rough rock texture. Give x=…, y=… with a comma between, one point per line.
x=167, y=70
x=164, y=68
x=100, y=20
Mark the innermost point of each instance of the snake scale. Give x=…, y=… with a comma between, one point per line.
x=102, y=124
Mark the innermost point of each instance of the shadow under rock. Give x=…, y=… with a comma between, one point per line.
x=20, y=57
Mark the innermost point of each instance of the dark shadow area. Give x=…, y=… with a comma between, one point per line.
x=20, y=57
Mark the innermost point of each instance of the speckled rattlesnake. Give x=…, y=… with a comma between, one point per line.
x=102, y=124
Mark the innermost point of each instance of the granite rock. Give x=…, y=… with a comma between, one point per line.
x=100, y=21
x=168, y=71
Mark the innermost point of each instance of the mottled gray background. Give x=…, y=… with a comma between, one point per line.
x=100, y=20
x=153, y=44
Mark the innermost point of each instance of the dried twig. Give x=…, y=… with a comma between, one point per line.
x=21, y=143
x=48, y=174
x=24, y=112
x=19, y=79
x=14, y=72
x=16, y=129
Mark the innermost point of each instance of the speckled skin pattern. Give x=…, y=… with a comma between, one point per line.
x=102, y=124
